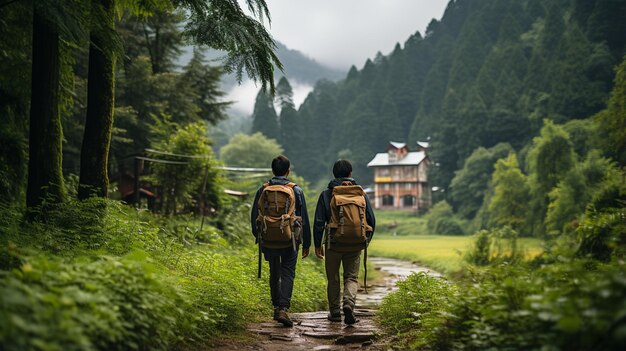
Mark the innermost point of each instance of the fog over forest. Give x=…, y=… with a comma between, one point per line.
x=155, y=197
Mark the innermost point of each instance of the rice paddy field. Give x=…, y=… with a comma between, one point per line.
x=405, y=236
x=441, y=253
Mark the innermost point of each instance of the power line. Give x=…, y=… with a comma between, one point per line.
x=244, y=169
x=161, y=161
x=177, y=155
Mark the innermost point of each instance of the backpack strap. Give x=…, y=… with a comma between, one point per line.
x=266, y=203
x=290, y=185
x=365, y=266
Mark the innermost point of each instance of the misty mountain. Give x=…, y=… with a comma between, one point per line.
x=297, y=66
x=487, y=72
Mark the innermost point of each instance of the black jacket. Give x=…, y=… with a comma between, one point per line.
x=322, y=211
x=300, y=210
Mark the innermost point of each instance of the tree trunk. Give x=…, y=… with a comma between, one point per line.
x=94, y=179
x=45, y=178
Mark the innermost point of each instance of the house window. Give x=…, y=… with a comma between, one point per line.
x=386, y=186
x=384, y=172
x=387, y=200
x=408, y=172
x=408, y=201
x=408, y=186
x=396, y=173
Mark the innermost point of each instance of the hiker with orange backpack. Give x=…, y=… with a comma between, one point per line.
x=344, y=224
x=280, y=224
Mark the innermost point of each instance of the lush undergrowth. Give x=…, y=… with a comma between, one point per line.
x=570, y=297
x=564, y=306
x=100, y=275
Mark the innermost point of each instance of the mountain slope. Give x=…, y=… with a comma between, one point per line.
x=488, y=72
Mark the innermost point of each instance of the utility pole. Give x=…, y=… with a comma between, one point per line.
x=136, y=166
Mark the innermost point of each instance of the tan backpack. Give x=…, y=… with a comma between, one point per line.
x=347, y=229
x=276, y=219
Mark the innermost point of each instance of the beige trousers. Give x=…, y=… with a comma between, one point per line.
x=350, y=262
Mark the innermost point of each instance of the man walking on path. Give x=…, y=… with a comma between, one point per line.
x=279, y=234
x=344, y=223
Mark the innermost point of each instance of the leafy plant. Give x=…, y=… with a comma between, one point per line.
x=418, y=308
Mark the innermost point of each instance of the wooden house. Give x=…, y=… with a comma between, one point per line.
x=400, y=177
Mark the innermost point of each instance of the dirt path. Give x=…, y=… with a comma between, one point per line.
x=312, y=331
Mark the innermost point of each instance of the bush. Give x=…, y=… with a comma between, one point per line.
x=441, y=220
x=565, y=306
x=440, y=210
x=574, y=305
x=107, y=304
x=418, y=308
x=449, y=226
x=13, y=161
x=601, y=235
x=494, y=247
x=96, y=275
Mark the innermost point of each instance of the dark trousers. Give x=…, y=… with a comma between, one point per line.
x=282, y=272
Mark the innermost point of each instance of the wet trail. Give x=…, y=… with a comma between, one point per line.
x=312, y=331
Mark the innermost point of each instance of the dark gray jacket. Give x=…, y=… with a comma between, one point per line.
x=300, y=210
x=322, y=211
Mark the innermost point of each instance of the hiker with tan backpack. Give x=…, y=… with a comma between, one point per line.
x=344, y=225
x=280, y=224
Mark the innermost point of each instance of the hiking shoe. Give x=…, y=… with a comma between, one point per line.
x=348, y=315
x=334, y=316
x=283, y=318
x=276, y=313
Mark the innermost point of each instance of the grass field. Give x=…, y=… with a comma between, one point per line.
x=441, y=253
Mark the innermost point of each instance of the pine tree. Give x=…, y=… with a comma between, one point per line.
x=162, y=39
x=45, y=179
x=203, y=83
x=291, y=132
x=94, y=156
x=264, y=119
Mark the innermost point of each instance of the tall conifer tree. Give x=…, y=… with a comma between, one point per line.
x=45, y=178
x=264, y=118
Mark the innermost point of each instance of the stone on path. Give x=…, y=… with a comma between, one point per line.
x=313, y=331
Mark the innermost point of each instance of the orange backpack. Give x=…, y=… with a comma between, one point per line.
x=276, y=219
x=347, y=229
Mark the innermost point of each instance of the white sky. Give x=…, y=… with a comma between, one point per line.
x=244, y=95
x=340, y=33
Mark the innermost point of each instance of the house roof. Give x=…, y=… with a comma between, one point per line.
x=411, y=159
x=397, y=145
x=423, y=144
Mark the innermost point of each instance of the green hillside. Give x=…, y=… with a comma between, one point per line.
x=489, y=71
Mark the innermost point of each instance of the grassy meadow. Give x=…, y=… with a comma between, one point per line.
x=439, y=252
x=413, y=242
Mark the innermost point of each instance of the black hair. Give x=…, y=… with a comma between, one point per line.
x=280, y=165
x=342, y=169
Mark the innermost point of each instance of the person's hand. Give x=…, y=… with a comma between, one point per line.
x=305, y=252
x=319, y=252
